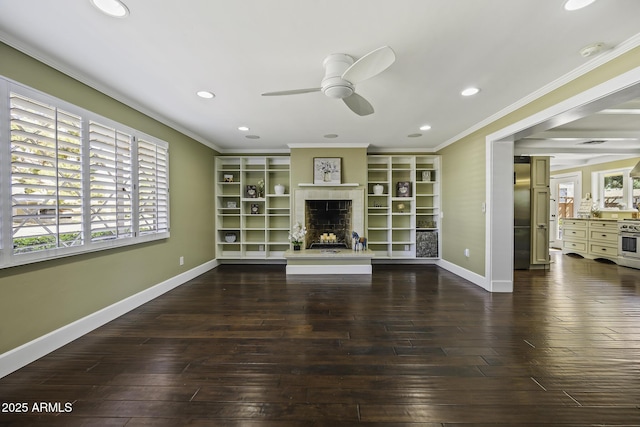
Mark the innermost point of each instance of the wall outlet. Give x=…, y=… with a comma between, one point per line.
x=466, y=253
x=181, y=260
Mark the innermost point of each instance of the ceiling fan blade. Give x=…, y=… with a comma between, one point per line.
x=371, y=64
x=358, y=105
x=291, y=92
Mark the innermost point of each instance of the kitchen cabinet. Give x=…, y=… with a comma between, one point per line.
x=603, y=239
x=540, y=225
x=540, y=210
x=574, y=236
x=590, y=238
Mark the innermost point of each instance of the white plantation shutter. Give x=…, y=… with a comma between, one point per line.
x=153, y=187
x=46, y=176
x=72, y=181
x=111, y=188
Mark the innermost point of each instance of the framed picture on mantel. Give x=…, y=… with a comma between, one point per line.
x=327, y=170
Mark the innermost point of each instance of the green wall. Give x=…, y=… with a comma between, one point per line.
x=354, y=164
x=464, y=168
x=38, y=298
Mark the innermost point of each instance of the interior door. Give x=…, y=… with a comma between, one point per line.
x=565, y=199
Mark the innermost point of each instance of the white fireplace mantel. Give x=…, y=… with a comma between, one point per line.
x=354, y=184
x=356, y=195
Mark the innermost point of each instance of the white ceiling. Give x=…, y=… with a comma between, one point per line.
x=608, y=135
x=158, y=57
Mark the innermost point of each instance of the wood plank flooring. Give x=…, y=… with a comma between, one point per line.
x=408, y=346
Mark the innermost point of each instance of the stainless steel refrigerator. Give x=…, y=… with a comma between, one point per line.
x=521, y=213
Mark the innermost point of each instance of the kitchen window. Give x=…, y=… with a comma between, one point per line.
x=73, y=181
x=615, y=189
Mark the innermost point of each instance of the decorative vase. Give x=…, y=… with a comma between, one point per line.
x=279, y=189
x=378, y=189
x=296, y=247
x=230, y=237
x=327, y=176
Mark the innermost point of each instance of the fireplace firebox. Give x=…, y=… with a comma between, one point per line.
x=330, y=217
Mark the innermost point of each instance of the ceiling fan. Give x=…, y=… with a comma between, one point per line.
x=342, y=74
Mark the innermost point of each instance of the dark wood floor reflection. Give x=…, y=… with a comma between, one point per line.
x=413, y=345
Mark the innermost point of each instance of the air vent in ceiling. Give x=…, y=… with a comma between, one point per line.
x=593, y=142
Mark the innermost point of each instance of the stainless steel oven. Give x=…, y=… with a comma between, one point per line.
x=628, y=245
x=629, y=240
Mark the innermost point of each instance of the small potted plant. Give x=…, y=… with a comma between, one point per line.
x=296, y=235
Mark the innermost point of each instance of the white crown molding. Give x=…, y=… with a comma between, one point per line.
x=112, y=93
x=329, y=145
x=591, y=65
x=262, y=151
x=377, y=150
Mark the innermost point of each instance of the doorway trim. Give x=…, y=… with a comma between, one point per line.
x=499, y=167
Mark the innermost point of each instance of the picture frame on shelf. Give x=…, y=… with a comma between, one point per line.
x=426, y=176
x=232, y=205
x=228, y=177
x=251, y=192
x=327, y=170
x=255, y=208
x=403, y=189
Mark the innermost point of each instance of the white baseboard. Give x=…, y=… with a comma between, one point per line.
x=326, y=269
x=474, y=278
x=21, y=356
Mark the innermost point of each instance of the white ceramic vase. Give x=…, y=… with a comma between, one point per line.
x=279, y=189
x=378, y=189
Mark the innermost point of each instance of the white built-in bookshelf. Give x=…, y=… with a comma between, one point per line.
x=251, y=225
x=403, y=224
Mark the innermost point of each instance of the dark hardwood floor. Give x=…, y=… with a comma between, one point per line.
x=411, y=345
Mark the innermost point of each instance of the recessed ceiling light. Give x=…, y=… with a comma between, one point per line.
x=243, y=128
x=252, y=136
x=205, y=94
x=576, y=4
x=331, y=135
x=414, y=135
x=113, y=8
x=470, y=91
x=425, y=127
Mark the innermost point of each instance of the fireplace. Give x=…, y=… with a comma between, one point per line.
x=328, y=217
x=338, y=198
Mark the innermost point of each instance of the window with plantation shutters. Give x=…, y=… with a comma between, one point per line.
x=111, y=203
x=72, y=181
x=153, y=187
x=46, y=176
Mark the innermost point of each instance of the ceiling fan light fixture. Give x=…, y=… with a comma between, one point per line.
x=114, y=8
x=338, y=91
x=425, y=127
x=572, y=5
x=243, y=128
